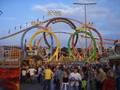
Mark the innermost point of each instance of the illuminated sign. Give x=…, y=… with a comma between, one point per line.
x=54, y=12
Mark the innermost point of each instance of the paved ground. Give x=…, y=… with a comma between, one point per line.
x=36, y=86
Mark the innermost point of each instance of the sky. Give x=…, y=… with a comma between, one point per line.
x=105, y=16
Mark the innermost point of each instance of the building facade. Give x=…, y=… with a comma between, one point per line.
x=10, y=54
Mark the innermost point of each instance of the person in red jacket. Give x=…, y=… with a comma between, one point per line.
x=109, y=83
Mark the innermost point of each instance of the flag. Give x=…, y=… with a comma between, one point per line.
x=20, y=27
x=26, y=24
x=25, y=43
x=9, y=31
x=15, y=27
x=43, y=17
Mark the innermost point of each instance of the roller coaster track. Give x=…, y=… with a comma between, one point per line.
x=111, y=40
x=37, y=25
x=5, y=37
x=31, y=27
x=8, y=36
x=23, y=30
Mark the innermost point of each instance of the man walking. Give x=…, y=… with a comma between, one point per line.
x=47, y=78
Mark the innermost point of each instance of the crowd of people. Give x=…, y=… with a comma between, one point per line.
x=63, y=76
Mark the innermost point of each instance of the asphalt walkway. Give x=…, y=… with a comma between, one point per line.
x=27, y=86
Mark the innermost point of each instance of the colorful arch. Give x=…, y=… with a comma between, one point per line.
x=55, y=54
x=93, y=55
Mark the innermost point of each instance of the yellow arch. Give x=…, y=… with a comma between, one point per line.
x=56, y=40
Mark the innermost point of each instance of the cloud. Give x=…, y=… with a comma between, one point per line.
x=65, y=9
x=7, y=18
x=73, y=10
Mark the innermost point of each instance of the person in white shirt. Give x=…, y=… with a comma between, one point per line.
x=32, y=71
x=23, y=75
x=74, y=78
x=24, y=72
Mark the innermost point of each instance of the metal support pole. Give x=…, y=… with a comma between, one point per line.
x=85, y=14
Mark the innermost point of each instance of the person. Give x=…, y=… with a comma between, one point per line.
x=75, y=78
x=40, y=77
x=23, y=75
x=32, y=71
x=118, y=82
x=57, y=77
x=118, y=76
x=83, y=84
x=101, y=77
x=65, y=81
x=91, y=83
x=48, y=74
x=109, y=83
